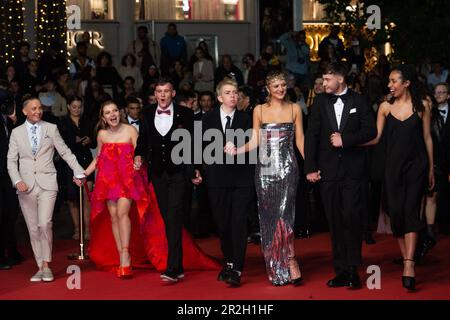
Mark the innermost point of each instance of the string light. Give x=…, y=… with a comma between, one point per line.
x=50, y=24
x=11, y=28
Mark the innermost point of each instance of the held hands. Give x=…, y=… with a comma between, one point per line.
x=230, y=149
x=79, y=182
x=137, y=162
x=22, y=186
x=313, y=176
x=336, y=140
x=198, y=178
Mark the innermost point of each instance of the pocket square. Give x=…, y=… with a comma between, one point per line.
x=353, y=110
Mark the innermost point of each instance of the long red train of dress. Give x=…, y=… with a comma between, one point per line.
x=116, y=178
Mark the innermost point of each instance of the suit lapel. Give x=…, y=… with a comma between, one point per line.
x=331, y=114
x=25, y=139
x=346, y=111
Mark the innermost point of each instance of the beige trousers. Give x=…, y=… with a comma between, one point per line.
x=37, y=208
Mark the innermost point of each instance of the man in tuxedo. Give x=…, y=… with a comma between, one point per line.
x=133, y=111
x=340, y=121
x=169, y=179
x=9, y=206
x=230, y=186
x=32, y=171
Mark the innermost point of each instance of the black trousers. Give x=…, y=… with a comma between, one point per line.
x=230, y=208
x=9, y=209
x=169, y=190
x=342, y=202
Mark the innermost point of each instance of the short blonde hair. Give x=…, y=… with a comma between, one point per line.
x=225, y=82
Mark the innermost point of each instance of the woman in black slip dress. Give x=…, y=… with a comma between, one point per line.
x=404, y=122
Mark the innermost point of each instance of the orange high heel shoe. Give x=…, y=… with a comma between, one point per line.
x=125, y=272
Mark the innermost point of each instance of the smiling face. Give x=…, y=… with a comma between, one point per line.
x=397, y=85
x=33, y=111
x=277, y=88
x=441, y=94
x=111, y=115
x=228, y=95
x=164, y=95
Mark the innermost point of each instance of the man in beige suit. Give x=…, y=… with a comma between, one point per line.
x=31, y=169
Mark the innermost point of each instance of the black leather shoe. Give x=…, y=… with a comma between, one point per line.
x=172, y=276
x=5, y=266
x=224, y=273
x=409, y=283
x=427, y=244
x=341, y=280
x=233, y=279
x=354, y=281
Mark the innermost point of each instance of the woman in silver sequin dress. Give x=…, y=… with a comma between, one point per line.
x=277, y=125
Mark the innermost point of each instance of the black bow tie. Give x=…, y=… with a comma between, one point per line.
x=443, y=111
x=343, y=97
x=135, y=122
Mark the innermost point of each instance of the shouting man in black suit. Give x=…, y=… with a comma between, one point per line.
x=340, y=121
x=230, y=184
x=169, y=178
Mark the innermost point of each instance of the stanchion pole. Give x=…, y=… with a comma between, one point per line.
x=81, y=256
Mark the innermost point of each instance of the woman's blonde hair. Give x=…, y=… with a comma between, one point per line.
x=273, y=76
x=101, y=124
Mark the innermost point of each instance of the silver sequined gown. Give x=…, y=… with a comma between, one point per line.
x=276, y=185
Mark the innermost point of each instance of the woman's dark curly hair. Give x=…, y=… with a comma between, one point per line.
x=408, y=73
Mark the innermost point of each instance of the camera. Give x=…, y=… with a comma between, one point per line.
x=6, y=102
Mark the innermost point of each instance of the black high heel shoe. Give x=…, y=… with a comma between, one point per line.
x=409, y=282
x=294, y=264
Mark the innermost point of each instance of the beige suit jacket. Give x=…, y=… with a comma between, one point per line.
x=39, y=168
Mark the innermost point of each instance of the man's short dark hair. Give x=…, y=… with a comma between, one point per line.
x=207, y=93
x=132, y=100
x=171, y=25
x=184, y=96
x=81, y=44
x=336, y=68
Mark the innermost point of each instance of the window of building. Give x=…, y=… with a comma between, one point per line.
x=229, y=10
x=94, y=9
x=313, y=11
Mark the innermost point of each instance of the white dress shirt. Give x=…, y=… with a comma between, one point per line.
x=163, y=122
x=444, y=114
x=339, y=107
x=38, y=133
x=223, y=117
x=130, y=120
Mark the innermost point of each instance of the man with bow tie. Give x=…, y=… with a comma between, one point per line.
x=133, y=111
x=339, y=122
x=155, y=146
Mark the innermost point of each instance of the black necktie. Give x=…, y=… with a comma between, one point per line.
x=228, y=124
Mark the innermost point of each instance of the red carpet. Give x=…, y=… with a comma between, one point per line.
x=315, y=259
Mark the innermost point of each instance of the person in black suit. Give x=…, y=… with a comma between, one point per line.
x=9, y=206
x=230, y=186
x=169, y=178
x=339, y=122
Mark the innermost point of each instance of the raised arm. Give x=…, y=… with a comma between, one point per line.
x=426, y=120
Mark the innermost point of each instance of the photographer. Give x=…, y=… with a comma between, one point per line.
x=297, y=57
x=9, y=208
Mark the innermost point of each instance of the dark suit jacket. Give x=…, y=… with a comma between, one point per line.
x=157, y=149
x=440, y=132
x=227, y=175
x=4, y=142
x=357, y=127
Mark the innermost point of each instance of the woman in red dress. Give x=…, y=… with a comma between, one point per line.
x=126, y=226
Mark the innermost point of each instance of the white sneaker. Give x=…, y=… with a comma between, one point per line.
x=47, y=275
x=37, y=277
